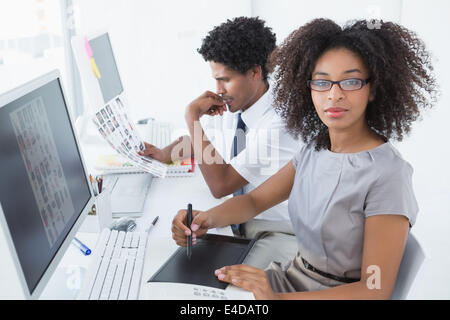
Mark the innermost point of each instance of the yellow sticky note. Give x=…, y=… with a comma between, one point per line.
x=95, y=68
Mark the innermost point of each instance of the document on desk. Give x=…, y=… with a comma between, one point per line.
x=115, y=163
x=115, y=126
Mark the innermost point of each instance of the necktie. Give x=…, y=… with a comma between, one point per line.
x=238, y=146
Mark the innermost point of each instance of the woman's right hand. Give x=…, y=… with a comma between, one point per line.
x=201, y=222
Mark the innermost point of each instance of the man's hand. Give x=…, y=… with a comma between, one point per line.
x=161, y=155
x=208, y=103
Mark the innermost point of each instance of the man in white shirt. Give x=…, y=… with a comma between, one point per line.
x=236, y=136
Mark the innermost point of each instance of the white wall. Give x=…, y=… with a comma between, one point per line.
x=155, y=44
x=284, y=16
x=427, y=149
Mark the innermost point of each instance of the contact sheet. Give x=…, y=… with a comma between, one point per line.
x=118, y=130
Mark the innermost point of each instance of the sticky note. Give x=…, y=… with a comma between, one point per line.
x=88, y=48
x=95, y=68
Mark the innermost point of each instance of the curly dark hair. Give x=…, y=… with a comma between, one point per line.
x=240, y=44
x=400, y=71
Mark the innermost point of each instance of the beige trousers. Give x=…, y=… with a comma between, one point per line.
x=275, y=242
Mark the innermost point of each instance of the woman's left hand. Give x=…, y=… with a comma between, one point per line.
x=248, y=278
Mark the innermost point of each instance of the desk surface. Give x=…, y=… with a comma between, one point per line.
x=165, y=198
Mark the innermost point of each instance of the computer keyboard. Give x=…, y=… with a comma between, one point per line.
x=116, y=271
x=159, y=133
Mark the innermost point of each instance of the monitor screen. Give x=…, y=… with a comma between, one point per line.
x=43, y=185
x=109, y=80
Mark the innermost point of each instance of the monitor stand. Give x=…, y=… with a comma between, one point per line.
x=65, y=283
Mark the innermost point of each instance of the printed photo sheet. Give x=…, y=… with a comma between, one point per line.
x=116, y=128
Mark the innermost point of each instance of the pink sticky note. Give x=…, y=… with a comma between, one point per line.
x=88, y=48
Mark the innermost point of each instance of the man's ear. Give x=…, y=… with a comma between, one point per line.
x=256, y=72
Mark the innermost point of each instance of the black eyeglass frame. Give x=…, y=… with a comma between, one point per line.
x=363, y=83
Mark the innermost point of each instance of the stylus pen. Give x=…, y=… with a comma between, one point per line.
x=153, y=224
x=83, y=248
x=189, y=221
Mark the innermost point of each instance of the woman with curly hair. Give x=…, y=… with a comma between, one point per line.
x=347, y=92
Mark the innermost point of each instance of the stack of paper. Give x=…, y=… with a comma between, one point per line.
x=181, y=168
x=118, y=164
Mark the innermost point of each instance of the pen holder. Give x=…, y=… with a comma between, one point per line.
x=103, y=209
x=100, y=216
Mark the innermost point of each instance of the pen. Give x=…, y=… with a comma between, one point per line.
x=153, y=224
x=100, y=185
x=97, y=184
x=83, y=248
x=189, y=222
x=93, y=185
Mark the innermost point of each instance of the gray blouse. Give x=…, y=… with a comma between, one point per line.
x=332, y=195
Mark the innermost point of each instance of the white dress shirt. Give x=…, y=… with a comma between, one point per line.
x=269, y=146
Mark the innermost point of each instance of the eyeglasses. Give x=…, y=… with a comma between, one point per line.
x=346, y=84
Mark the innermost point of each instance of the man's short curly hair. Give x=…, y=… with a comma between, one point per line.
x=240, y=44
x=400, y=72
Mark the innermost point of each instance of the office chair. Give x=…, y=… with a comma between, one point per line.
x=412, y=260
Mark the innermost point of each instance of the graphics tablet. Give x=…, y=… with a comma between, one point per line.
x=211, y=252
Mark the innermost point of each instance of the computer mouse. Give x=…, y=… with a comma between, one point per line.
x=124, y=224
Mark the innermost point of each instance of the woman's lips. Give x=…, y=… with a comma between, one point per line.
x=335, y=112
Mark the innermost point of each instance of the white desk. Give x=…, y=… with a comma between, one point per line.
x=165, y=198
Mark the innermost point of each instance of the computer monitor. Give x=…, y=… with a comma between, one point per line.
x=110, y=83
x=97, y=67
x=45, y=192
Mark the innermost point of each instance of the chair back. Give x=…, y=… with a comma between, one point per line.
x=412, y=260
